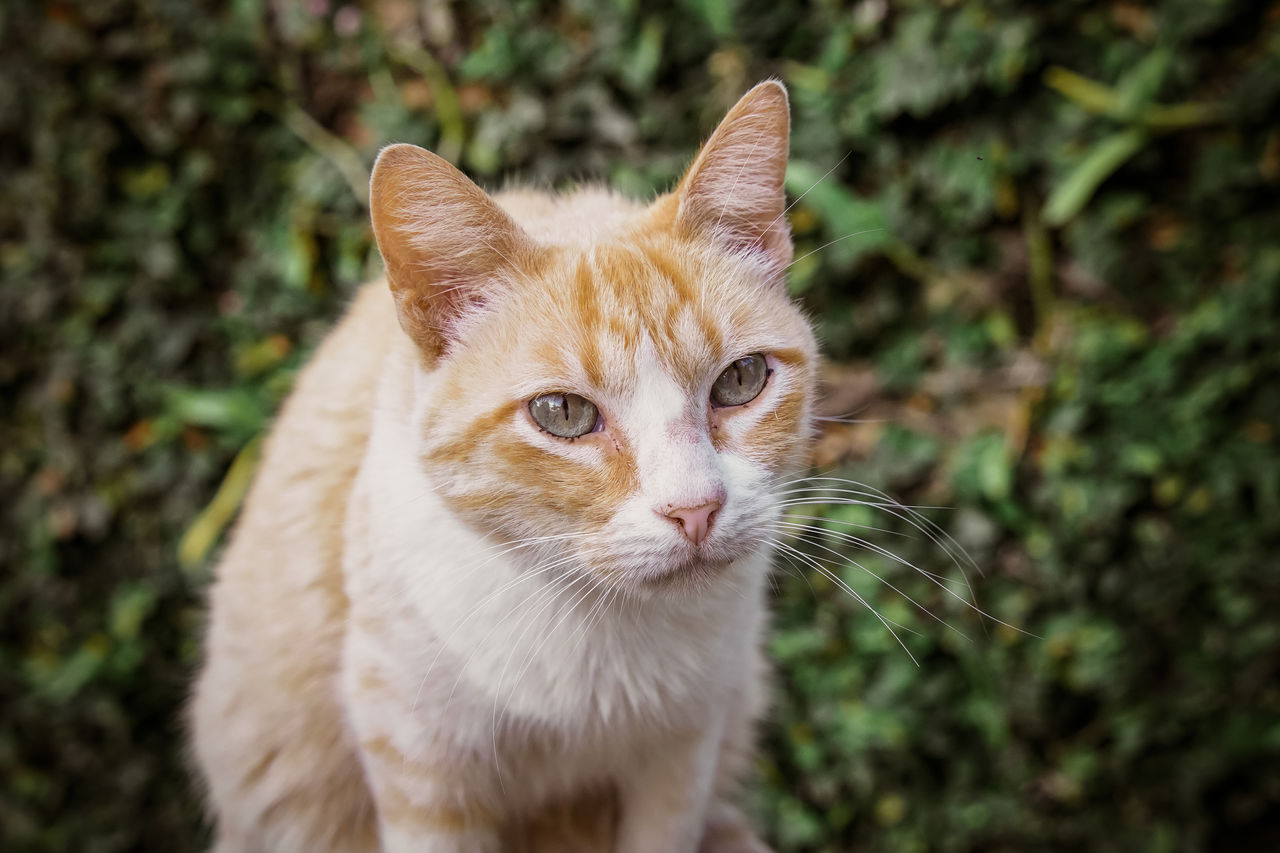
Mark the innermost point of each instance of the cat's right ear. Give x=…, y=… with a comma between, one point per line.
x=446, y=244
x=735, y=189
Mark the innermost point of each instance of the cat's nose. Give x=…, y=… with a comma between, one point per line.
x=694, y=521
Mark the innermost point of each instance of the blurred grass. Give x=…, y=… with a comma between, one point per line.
x=1065, y=332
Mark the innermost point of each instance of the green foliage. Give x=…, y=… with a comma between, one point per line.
x=1062, y=288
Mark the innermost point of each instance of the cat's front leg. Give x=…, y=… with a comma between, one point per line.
x=420, y=812
x=424, y=804
x=431, y=796
x=666, y=794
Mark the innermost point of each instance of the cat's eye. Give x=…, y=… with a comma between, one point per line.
x=741, y=382
x=565, y=415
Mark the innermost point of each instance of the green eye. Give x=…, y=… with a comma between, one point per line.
x=565, y=415
x=741, y=382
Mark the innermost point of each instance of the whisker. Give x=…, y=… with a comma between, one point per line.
x=787, y=210
x=475, y=610
x=912, y=516
x=888, y=623
x=525, y=610
x=906, y=516
x=869, y=546
x=596, y=582
x=879, y=498
x=878, y=502
x=930, y=524
x=596, y=614
x=462, y=573
x=832, y=243
x=796, y=571
x=795, y=516
x=907, y=597
x=817, y=564
x=909, y=515
x=845, y=419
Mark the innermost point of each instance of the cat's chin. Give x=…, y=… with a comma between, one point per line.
x=692, y=570
x=688, y=570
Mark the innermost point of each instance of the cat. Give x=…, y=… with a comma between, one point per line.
x=500, y=582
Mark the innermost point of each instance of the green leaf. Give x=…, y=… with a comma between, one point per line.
x=208, y=526
x=233, y=410
x=1074, y=192
x=718, y=14
x=985, y=468
x=1140, y=86
x=131, y=605
x=645, y=55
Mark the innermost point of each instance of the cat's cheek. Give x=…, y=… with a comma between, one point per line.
x=725, y=423
x=768, y=432
x=598, y=462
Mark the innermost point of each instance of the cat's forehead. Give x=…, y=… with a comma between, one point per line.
x=604, y=311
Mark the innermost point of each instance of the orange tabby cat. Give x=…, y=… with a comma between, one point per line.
x=499, y=584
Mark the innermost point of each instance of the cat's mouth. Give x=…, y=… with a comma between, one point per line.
x=670, y=567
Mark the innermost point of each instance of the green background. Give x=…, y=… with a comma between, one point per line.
x=1057, y=320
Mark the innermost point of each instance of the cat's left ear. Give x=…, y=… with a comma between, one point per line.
x=734, y=189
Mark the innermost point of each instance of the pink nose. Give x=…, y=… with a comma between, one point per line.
x=694, y=521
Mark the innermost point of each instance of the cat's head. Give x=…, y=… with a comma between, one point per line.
x=630, y=382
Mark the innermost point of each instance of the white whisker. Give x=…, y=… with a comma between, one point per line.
x=907, y=597
x=888, y=623
x=806, y=192
x=832, y=243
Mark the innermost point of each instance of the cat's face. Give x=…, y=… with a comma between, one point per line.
x=632, y=398
x=669, y=471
